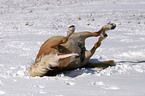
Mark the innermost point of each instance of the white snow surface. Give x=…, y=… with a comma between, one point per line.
x=26, y=24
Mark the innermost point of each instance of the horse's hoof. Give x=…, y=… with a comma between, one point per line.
x=71, y=26
x=105, y=35
x=113, y=26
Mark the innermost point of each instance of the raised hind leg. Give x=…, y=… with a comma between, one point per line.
x=50, y=45
x=65, y=39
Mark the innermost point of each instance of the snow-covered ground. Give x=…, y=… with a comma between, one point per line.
x=26, y=24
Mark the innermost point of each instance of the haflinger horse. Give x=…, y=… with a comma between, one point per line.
x=60, y=53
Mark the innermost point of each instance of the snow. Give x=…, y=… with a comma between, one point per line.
x=26, y=24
